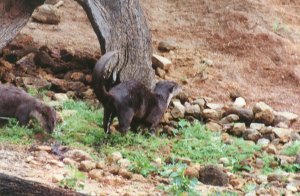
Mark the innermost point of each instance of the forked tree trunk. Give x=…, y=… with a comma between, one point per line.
x=12, y=186
x=121, y=25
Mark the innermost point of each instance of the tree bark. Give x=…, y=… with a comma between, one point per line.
x=11, y=186
x=14, y=14
x=121, y=25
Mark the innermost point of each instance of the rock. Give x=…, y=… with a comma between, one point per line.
x=259, y=163
x=115, y=157
x=283, y=159
x=61, y=97
x=251, y=134
x=245, y=115
x=182, y=96
x=260, y=107
x=47, y=14
x=212, y=175
x=285, y=117
x=266, y=130
x=271, y=149
x=215, y=106
x=77, y=76
x=56, y=162
x=166, y=46
x=69, y=161
x=201, y=102
x=96, y=174
x=124, y=163
x=226, y=138
x=100, y=165
x=276, y=177
x=263, y=142
x=160, y=72
x=283, y=134
x=26, y=63
x=213, y=126
x=266, y=117
x=7, y=65
x=257, y=126
x=281, y=125
x=158, y=162
x=57, y=178
x=291, y=187
x=178, y=111
x=225, y=161
x=167, y=117
x=192, y=109
x=37, y=83
x=125, y=173
x=88, y=94
x=161, y=62
x=211, y=114
x=238, y=129
x=187, y=161
x=43, y=148
x=239, y=102
x=87, y=165
x=229, y=119
x=78, y=155
x=192, y=172
x=207, y=62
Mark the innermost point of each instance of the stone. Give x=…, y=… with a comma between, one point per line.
x=192, y=172
x=78, y=155
x=182, y=96
x=77, y=76
x=276, y=177
x=161, y=62
x=100, y=164
x=56, y=162
x=125, y=173
x=215, y=106
x=115, y=157
x=26, y=63
x=252, y=134
x=61, y=97
x=213, y=126
x=7, y=65
x=166, y=46
x=47, y=14
x=211, y=114
x=206, y=61
x=37, y=83
x=57, y=178
x=192, y=109
x=286, y=116
x=263, y=142
x=245, y=115
x=96, y=174
x=261, y=106
x=267, y=117
x=201, y=102
x=257, y=126
x=69, y=161
x=259, y=163
x=160, y=72
x=124, y=163
x=297, y=160
x=281, y=125
x=158, y=162
x=291, y=187
x=271, y=149
x=88, y=94
x=44, y=148
x=212, y=175
x=226, y=138
x=238, y=129
x=87, y=165
x=179, y=110
x=283, y=134
x=187, y=161
x=239, y=102
x=229, y=119
x=266, y=130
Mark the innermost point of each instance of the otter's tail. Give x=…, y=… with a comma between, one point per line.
x=103, y=78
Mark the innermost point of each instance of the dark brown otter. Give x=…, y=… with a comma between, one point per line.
x=16, y=103
x=132, y=102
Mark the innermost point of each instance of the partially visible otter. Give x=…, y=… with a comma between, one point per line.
x=132, y=102
x=16, y=103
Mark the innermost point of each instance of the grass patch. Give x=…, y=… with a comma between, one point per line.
x=293, y=149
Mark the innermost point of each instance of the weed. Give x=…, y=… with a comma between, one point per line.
x=293, y=149
x=73, y=180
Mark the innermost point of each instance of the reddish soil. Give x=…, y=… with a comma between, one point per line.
x=254, y=45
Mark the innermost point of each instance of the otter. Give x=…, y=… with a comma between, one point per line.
x=16, y=103
x=130, y=101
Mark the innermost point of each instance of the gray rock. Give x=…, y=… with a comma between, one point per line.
x=212, y=175
x=263, y=142
x=213, y=126
x=239, y=102
x=257, y=126
x=166, y=46
x=263, y=113
x=96, y=174
x=201, y=102
x=61, y=97
x=160, y=72
x=261, y=106
x=286, y=116
x=87, y=165
x=47, y=14
x=192, y=109
x=161, y=62
x=229, y=119
x=266, y=130
x=283, y=134
x=115, y=157
x=78, y=155
x=179, y=110
x=238, y=129
x=251, y=134
x=211, y=114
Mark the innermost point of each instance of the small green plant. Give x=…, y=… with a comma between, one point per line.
x=278, y=25
x=142, y=165
x=293, y=149
x=73, y=180
x=180, y=184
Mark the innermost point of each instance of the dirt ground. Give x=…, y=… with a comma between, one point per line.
x=252, y=47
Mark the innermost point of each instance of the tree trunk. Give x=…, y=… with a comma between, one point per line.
x=14, y=14
x=11, y=186
x=121, y=25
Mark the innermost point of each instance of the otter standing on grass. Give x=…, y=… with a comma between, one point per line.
x=130, y=101
x=16, y=103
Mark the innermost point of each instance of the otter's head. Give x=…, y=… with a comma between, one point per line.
x=46, y=116
x=167, y=89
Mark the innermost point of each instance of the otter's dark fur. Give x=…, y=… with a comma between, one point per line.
x=16, y=103
x=131, y=101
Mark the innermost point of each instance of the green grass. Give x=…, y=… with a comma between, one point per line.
x=293, y=149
